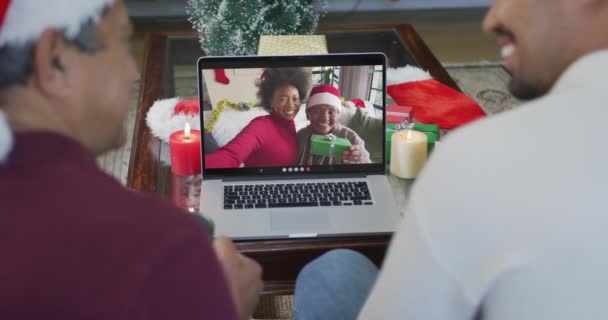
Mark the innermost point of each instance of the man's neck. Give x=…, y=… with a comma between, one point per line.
x=28, y=112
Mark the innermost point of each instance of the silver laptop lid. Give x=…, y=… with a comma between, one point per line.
x=292, y=115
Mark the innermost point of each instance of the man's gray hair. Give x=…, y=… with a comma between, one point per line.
x=16, y=60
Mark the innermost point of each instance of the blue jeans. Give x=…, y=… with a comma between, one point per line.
x=334, y=286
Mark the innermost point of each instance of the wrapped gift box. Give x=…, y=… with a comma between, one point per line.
x=431, y=131
x=320, y=146
x=398, y=114
x=290, y=45
x=427, y=128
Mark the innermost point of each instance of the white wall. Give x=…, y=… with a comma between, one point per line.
x=241, y=88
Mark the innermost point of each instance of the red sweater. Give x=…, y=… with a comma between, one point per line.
x=75, y=244
x=267, y=141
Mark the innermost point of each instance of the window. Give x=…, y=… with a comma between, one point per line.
x=326, y=75
x=375, y=93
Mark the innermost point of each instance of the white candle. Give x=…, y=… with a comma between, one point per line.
x=408, y=153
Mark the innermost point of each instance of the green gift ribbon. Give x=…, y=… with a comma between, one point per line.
x=332, y=145
x=405, y=125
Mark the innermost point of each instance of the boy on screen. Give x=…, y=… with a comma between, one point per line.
x=322, y=109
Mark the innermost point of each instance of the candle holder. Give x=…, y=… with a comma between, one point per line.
x=185, y=148
x=408, y=151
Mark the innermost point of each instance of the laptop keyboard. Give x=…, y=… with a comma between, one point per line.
x=289, y=195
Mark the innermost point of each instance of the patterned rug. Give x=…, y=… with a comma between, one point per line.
x=486, y=83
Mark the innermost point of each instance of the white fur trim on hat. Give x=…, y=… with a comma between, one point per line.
x=26, y=19
x=324, y=98
x=6, y=138
x=162, y=121
x=406, y=74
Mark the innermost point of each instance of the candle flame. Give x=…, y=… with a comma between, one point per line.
x=409, y=134
x=187, y=130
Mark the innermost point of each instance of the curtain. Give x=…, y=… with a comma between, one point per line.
x=356, y=82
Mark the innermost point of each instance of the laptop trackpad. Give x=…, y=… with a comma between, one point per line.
x=299, y=220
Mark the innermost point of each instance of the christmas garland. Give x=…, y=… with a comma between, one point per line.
x=240, y=106
x=215, y=116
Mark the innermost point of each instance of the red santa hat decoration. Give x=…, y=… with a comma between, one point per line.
x=23, y=21
x=431, y=100
x=170, y=115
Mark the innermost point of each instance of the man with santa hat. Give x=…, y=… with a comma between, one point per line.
x=74, y=244
x=508, y=218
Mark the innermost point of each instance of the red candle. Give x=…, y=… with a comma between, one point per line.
x=185, y=148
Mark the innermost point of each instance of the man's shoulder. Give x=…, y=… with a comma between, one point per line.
x=148, y=212
x=96, y=203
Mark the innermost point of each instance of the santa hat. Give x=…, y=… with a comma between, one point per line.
x=324, y=94
x=431, y=100
x=170, y=115
x=23, y=21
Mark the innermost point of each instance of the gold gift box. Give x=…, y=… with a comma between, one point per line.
x=290, y=45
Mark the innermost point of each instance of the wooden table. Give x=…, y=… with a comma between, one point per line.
x=281, y=259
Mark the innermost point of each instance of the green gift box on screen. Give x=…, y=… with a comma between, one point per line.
x=320, y=145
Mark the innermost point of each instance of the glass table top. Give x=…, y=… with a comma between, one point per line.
x=180, y=80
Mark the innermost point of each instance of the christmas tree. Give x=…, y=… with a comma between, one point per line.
x=233, y=27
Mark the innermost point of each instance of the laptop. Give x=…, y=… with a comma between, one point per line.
x=272, y=173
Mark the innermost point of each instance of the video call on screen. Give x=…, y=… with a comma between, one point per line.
x=326, y=133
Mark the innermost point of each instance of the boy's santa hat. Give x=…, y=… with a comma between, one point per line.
x=431, y=100
x=23, y=21
x=324, y=94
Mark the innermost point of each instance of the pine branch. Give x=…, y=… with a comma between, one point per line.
x=233, y=27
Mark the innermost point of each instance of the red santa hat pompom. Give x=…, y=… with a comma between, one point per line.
x=358, y=103
x=431, y=100
x=170, y=115
x=23, y=21
x=324, y=94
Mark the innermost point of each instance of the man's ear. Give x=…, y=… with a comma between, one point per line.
x=50, y=64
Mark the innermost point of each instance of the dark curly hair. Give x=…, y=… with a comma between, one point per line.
x=275, y=78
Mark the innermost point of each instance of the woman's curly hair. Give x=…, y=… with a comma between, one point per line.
x=275, y=78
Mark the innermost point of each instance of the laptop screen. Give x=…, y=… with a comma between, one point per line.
x=292, y=115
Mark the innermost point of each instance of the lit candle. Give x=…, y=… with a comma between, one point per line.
x=408, y=153
x=185, y=148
